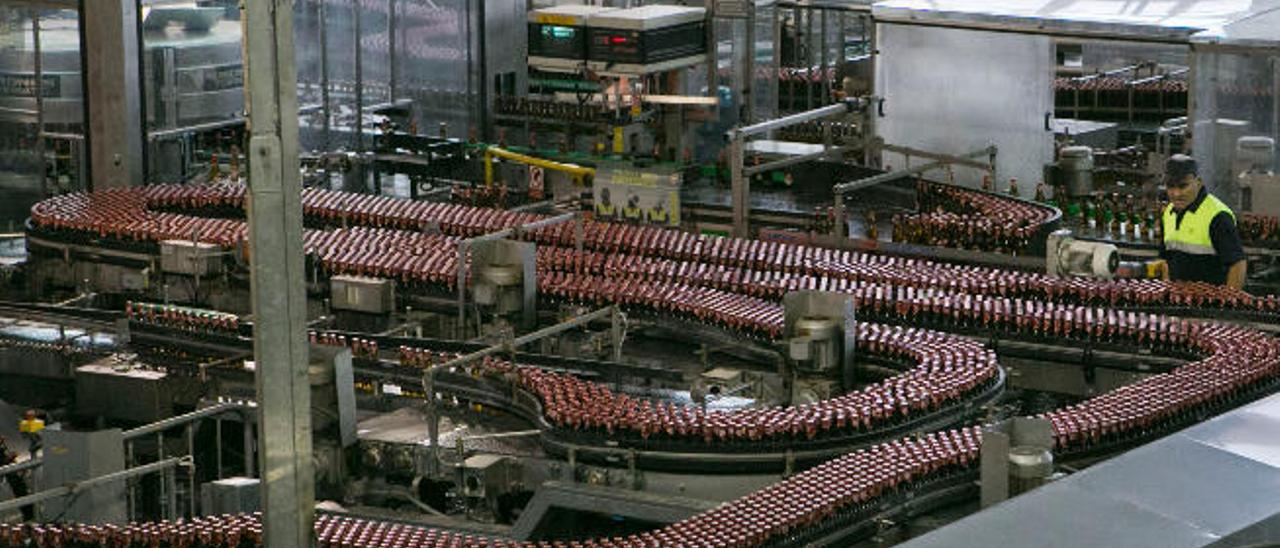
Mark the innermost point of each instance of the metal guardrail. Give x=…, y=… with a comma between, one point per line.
x=74, y=488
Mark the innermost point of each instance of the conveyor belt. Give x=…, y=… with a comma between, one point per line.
x=1232, y=363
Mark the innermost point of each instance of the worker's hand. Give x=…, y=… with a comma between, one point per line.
x=1158, y=270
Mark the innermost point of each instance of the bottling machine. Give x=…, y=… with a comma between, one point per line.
x=632, y=304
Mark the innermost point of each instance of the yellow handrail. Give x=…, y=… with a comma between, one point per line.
x=578, y=172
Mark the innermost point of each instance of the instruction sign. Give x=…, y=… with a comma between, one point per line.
x=644, y=197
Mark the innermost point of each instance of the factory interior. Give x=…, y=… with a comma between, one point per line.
x=638, y=273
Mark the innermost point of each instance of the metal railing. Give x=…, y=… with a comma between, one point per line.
x=168, y=488
x=429, y=377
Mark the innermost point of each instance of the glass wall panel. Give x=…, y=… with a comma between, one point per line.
x=309, y=59
x=375, y=51
x=764, y=90
x=433, y=62
x=20, y=164
x=35, y=91
x=1237, y=101
x=193, y=85
x=981, y=88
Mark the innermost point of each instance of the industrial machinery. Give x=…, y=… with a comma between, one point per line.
x=1259, y=185
x=505, y=279
x=1068, y=257
x=820, y=334
x=646, y=362
x=646, y=40
x=515, y=424
x=558, y=37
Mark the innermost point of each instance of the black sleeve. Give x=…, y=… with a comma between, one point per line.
x=1226, y=239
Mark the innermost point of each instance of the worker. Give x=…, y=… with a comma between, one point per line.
x=17, y=483
x=1201, y=240
x=632, y=211
x=31, y=427
x=658, y=213
x=605, y=207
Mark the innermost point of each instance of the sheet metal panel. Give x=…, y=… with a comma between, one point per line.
x=1215, y=484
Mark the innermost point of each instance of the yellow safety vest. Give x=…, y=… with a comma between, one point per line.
x=605, y=209
x=657, y=215
x=631, y=212
x=1193, y=237
x=33, y=426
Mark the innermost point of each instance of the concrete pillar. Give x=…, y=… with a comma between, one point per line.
x=113, y=94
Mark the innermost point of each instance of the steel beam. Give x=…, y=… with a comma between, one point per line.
x=740, y=190
x=278, y=286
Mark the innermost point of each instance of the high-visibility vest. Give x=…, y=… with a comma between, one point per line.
x=1193, y=237
x=605, y=209
x=631, y=212
x=658, y=215
x=33, y=426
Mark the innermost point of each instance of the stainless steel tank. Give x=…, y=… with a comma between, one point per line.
x=1029, y=467
x=1077, y=168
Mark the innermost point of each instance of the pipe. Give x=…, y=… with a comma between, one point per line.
x=578, y=172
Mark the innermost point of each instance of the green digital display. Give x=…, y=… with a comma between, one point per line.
x=558, y=32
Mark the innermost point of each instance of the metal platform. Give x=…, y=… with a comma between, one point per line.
x=1214, y=484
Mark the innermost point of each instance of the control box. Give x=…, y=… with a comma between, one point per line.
x=363, y=294
x=558, y=37
x=646, y=40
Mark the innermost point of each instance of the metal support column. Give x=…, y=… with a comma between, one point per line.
x=713, y=59
x=113, y=95
x=740, y=191
x=323, y=15
x=277, y=283
x=481, y=15
x=358, y=14
x=393, y=50
x=749, y=67
x=38, y=65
